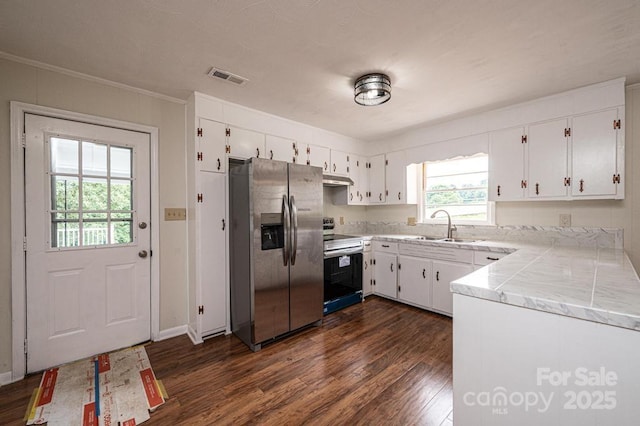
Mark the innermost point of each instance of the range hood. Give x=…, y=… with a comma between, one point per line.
x=333, y=180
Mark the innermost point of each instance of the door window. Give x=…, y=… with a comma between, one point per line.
x=91, y=193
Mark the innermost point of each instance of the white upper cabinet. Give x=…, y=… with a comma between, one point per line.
x=339, y=163
x=281, y=149
x=401, y=183
x=356, y=165
x=210, y=151
x=319, y=156
x=363, y=181
x=506, y=164
x=246, y=144
x=377, y=189
x=547, y=146
x=594, y=141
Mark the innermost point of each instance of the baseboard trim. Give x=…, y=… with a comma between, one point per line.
x=193, y=336
x=6, y=378
x=171, y=332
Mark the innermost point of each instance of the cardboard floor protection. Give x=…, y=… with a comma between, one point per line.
x=127, y=391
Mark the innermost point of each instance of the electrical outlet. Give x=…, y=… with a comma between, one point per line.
x=565, y=220
x=341, y=220
x=175, y=214
x=411, y=221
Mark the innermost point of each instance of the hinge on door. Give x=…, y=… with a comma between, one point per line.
x=523, y=184
x=308, y=150
x=347, y=169
x=227, y=132
x=386, y=192
x=199, y=198
x=201, y=310
x=386, y=162
x=616, y=178
x=347, y=158
x=23, y=140
x=399, y=289
x=199, y=133
x=26, y=346
x=24, y=243
x=227, y=149
x=567, y=132
x=199, y=156
x=150, y=253
x=374, y=261
x=616, y=124
x=567, y=181
x=399, y=266
x=524, y=138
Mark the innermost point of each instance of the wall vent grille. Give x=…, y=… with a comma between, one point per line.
x=227, y=76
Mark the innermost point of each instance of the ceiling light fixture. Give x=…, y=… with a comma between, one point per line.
x=372, y=89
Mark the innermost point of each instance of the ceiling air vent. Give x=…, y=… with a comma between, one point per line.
x=225, y=75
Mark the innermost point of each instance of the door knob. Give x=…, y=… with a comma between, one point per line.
x=142, y=225
x=142, y=253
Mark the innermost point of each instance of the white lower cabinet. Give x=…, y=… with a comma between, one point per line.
x=367, y=269
x=386, y=274
x=443, y=274
x=414, y=281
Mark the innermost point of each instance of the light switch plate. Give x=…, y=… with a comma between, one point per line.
x=175, y=214
x=565, y=220
x=341, y=220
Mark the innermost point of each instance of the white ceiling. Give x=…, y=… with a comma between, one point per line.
x=446, y=58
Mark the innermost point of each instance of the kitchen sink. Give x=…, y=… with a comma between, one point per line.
x=456, y=240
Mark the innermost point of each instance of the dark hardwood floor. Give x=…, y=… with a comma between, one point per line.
x=378, y=362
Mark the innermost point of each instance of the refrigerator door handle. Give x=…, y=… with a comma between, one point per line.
x=294, y=221
x=287, y=229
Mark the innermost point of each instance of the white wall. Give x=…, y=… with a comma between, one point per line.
x=21, y=82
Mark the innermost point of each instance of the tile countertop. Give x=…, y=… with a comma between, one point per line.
x=593, y=284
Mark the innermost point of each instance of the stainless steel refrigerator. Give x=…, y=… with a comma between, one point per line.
x=276, y=249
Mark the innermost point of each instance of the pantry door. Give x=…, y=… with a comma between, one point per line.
x=87, y=202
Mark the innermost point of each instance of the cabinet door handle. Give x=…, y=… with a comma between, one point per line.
x=399, y=196
x=537, y=188
x=392, y=267
x=270, y=154
x=224, y=225
x=334, y=167
x=498, y=190
x=493, y=258
x=360, y=197
x=258, y=152
x=385, y=245
x=351, y=196
x=308, y=162
x=424, y=273
x=581, y=185
x=365, y=266
x=380, y=196
x=325, y=165
x=219, y=164
x=437, y=275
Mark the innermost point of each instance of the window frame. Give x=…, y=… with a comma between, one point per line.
x=443, y=219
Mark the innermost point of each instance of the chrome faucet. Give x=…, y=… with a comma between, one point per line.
x=449, y=227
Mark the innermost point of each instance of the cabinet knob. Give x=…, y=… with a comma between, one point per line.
x=325, y=165
x=334, y=167
x=270, y=154
x=537, y=188
x=392, y=267
x=380, y=196
x=581, y=185
x=219, y=164
x=224, y=225
x=424, y=273
x=437, y=275
x=258, y=152
x=498, y=190
x=399, y=196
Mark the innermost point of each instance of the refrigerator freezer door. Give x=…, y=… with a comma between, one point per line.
x=270, y=275
x=306, y=271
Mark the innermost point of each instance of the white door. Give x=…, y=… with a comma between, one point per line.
x=443, y=274
x=386, y=281
x=377, y=179
x=88, y=239
x=547, y=146
x=281, y=149
x=506, y=165
x=319, y=156
x=245, y=144
x=414, y=280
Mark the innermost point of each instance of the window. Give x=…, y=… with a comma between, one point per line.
x=91, y=193
x=457, y=186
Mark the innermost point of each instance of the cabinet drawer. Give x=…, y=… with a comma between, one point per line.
x=437, y=252
x=482, y=258
x=385, y=246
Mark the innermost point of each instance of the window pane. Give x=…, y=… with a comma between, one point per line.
x=64, y=193
x=121, y=162
x=65, y=234
x=94, y=216
x=64, y=156
x=464, y=165
x=122, y=232
x=61, y=216
x=115, y=216
x=471, y=180
x=121, y=194
x=95, y=233
x=94, y=194
x=94, y=159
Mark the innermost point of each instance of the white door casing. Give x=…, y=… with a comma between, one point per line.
x=83, y=296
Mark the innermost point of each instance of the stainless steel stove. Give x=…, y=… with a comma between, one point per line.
x=342, y=268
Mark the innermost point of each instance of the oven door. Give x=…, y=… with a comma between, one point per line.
x=342, y=275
